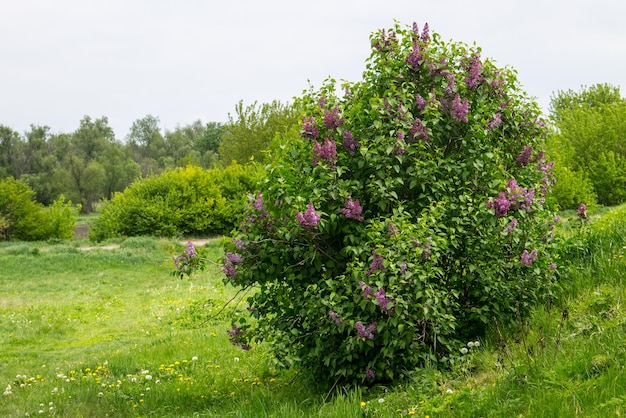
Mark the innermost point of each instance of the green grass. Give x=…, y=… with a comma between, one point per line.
x=112, y=333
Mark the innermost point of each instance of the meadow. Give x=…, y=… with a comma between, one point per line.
x=110, y=332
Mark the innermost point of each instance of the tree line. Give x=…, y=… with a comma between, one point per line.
x=90, y=165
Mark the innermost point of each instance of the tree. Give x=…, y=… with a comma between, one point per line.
x=248, y=135
x=147, y=144
x=589, y=144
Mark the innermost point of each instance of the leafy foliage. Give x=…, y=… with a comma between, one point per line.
x=588, y=146
x=407, y=215
x=184, y=201
x=21, y=218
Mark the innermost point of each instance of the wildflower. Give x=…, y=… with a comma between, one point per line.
x=349, y=142
x=236, y=359
x=381, y=400
x=194, y=358
x=524, y=157
x=332, y=119
x=553, y=266
x=352, y=210
x=470, y=344
x=464, y=350
x=309, y=128
x=363, y=404
x=148, y=377
x=370, y=374
x=309, y=219
x=460, y=109
x=528, y=258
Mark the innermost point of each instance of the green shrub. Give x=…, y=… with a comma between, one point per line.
x=571, y=189
x=186, y=201
x=22, y=218
x=405, y=218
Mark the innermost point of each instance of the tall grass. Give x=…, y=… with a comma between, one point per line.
x=112, y=333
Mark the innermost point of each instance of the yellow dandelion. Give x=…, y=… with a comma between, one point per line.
x=363, y=404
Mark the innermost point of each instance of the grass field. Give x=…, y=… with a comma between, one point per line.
x=111, y=333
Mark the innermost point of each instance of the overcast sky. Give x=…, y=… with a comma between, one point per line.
x=196, y=59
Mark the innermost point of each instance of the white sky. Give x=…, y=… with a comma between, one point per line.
x=196, y=59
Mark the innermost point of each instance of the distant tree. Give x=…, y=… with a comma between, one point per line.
x=147, y=144
x=589, y=145
x=587, y=98
x=250, y=133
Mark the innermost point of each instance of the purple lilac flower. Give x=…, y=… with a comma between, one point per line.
x=451, y=84
x=326, y=151
x=310, y=217
x=335, y=318
x=322, y=101
x=418, y=129
x=415, y=58
x=460, y=109
x=400, y=144
x=524, y=157
x=366, y=332
x=425, y=35
x=309, y=128
x=500, y=204
x=474, y=71
x=234, y=257
x=234, y=332
x=420, y=101
x=383, y=300
x=528, y=258
x=349, y=142
x=258, y=202
x=229, y=269
x=367, y=289
x=239, y=244
x=392, y=229
x=553, y=266
x=190, y=251
x=427, y=247
x=352, y=210
x=403, y=268
x=582, y=211
x=369, y=373
x=332, y=118
x=495, y=122
x=529, y=196
x=377, y=263
x=511, y=226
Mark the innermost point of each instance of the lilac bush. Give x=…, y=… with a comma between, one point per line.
x=407, y=215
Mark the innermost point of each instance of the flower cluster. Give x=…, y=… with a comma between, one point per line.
x=367, y=289
x=383, y=300
x=235, y=334
x=335, y=318
x=352, y=210
x=326, y=151
x=459, y=108
x=474, y=72
x=230, y=261
x=309, y=219
x=349, y=143
x=528, y=258
x=582, y=211
x=514, y=198
x=309, y=128
x=332, y=119
x=511, y=226
x=187, y=262
x=376, y=264
x=366, y=332
x=524, y=157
